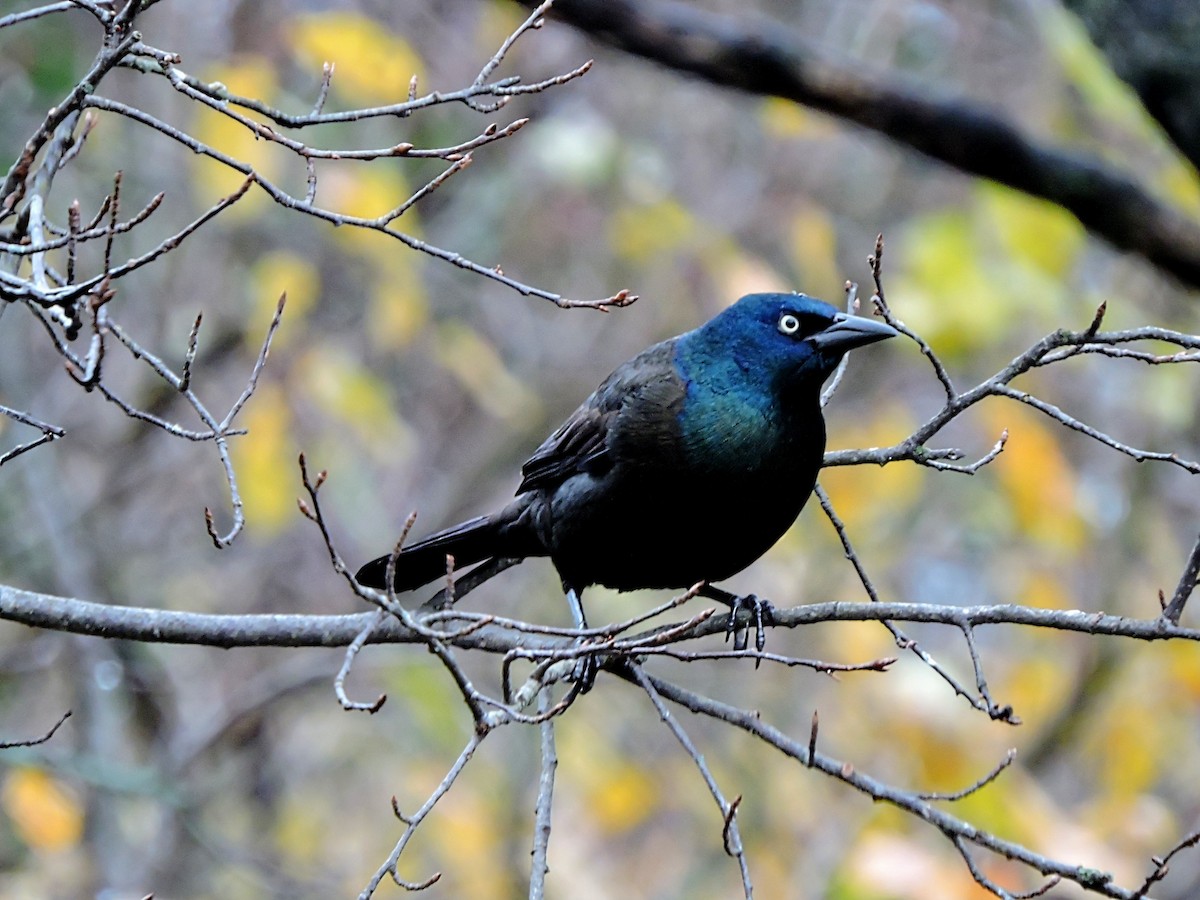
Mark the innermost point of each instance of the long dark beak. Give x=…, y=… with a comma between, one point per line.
x=848, y=332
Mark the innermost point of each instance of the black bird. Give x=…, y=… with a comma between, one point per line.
x=686, y=464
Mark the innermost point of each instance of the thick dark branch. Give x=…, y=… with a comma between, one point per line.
x=771, y=61
x=1151, y=45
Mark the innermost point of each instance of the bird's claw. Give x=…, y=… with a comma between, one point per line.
x=761, y=614
x=586, y=667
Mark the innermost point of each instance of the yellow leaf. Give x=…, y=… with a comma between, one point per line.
x=623, y=800
x=965, y=278
x=1181, y=184
x=265, y=460
x=45, y=812
x=1133, y=743
x=618, y=794
x=1036, y=233
x=1043, y=590
x=1089, y=72
x=861, y=640
x=300, y=830
x=1036, y=478
x=942, y=288
x=397, y=307
x=373, y=65
x=814, y=249
x=479, y=369
x=345, y=389
x=641, y=234
x=494, y=23
x=741, y=273
x=1183, y=665
x=1036, y=687
x=864, y=495
x=786, y=119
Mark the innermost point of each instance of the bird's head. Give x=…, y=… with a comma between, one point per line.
x=784, y=340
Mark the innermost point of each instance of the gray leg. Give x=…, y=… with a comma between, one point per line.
x=585, y=666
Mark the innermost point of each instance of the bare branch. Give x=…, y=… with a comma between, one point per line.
x=971, y=789
x=953, y=828
x=1074, y=424
x=161, y=626
x=1187, y=583
x=540, y=866
x=1161, y=864
x=339, y=683
x=879, y=301
x=414, y=821
x=12, y=191
x=49, y=433
x=283, y=198
x=33, y=742
x=770, y=59
x=36, y=13
x=1054, y=347
x=733, y=838
x=903, y=641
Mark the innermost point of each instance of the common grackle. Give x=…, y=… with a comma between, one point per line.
x=685, y=465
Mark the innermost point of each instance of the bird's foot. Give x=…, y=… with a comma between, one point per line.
x=745, y=611
x=760, y=614
x=586, y=667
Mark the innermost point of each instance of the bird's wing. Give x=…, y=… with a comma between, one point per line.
x=632, y=415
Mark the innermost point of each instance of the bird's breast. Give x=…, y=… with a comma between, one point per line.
x=727, y=433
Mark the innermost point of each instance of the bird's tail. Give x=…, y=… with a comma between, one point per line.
x=468, y=542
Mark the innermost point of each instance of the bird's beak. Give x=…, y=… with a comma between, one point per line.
x=848, y=332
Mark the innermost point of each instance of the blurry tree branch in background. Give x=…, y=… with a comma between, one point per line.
x=771, y=60
x=68, y=276
x=1150, y=44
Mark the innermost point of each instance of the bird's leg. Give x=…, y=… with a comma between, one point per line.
x=576, y=609
x=760, y=615
x=585, y=667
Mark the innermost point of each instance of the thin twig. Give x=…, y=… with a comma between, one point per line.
x=1187, y=583
x=732, y=834
x=953, y=828
x=903, y=641
x=1162, y=864
x=879, y=301
x=414, y=821
x=971, y=789
x=339, y=683
x=540, y=866
x=33, y=742
x=49, y=433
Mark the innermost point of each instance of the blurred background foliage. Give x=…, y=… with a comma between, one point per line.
x=193, y=772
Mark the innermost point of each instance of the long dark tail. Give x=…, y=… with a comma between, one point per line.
x=425, y=561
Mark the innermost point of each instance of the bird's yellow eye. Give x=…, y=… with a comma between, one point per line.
x=789, y=324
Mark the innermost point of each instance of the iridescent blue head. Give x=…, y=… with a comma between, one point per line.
x=752, y=381
x=773, y=347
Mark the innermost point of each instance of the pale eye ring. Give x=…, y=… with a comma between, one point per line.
x=789, y=324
